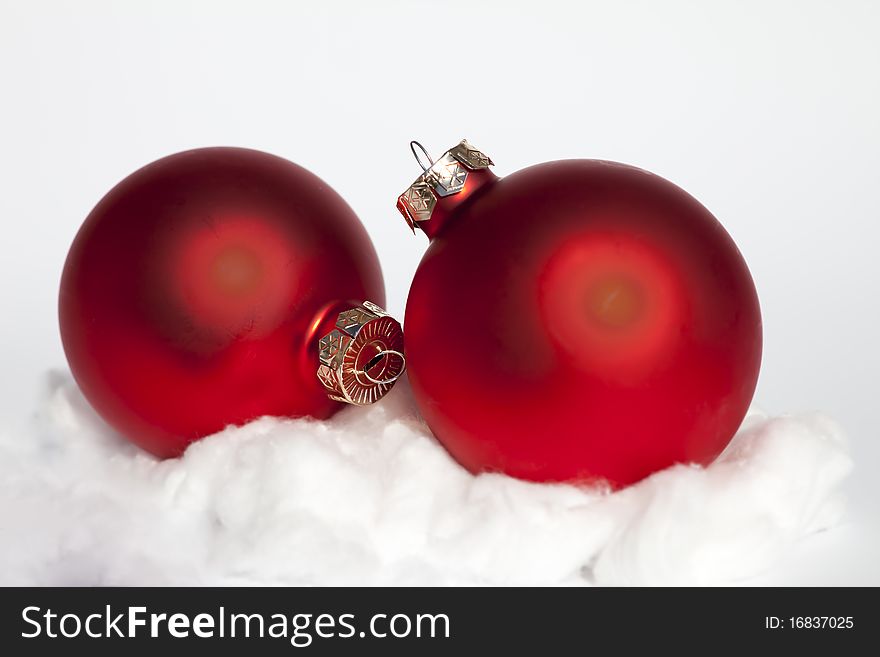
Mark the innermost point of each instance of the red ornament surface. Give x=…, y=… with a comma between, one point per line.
x=581, y=320
x=195, y=293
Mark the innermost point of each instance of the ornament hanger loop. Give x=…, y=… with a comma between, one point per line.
x=413, y=145
x=382, y=354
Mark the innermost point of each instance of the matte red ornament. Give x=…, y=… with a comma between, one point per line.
x=578, y=320
x=197, y=293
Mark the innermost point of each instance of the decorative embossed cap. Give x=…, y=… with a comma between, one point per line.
x=443, y=177
x=362, y=356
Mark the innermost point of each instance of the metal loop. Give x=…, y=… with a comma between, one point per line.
x=393, y=378
x=412, y=146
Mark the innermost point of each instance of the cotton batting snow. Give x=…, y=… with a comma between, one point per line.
x=371, y=498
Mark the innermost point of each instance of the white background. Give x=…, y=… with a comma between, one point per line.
x=768, y=112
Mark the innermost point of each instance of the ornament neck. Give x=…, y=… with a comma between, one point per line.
x=359, y=351
x=447, y=206
x=444, y=186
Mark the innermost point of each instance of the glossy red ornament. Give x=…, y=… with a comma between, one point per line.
x=196, y=291
x=576, y=321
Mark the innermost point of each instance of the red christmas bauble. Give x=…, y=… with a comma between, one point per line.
x=196, y=292
x=578, y=320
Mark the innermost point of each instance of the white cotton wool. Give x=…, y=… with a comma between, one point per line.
x=371, y=498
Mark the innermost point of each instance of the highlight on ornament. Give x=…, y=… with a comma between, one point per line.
x=607, y=323
x=219, y=285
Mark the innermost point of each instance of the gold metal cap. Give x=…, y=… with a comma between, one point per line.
x=363, y=356
x=443, y=177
